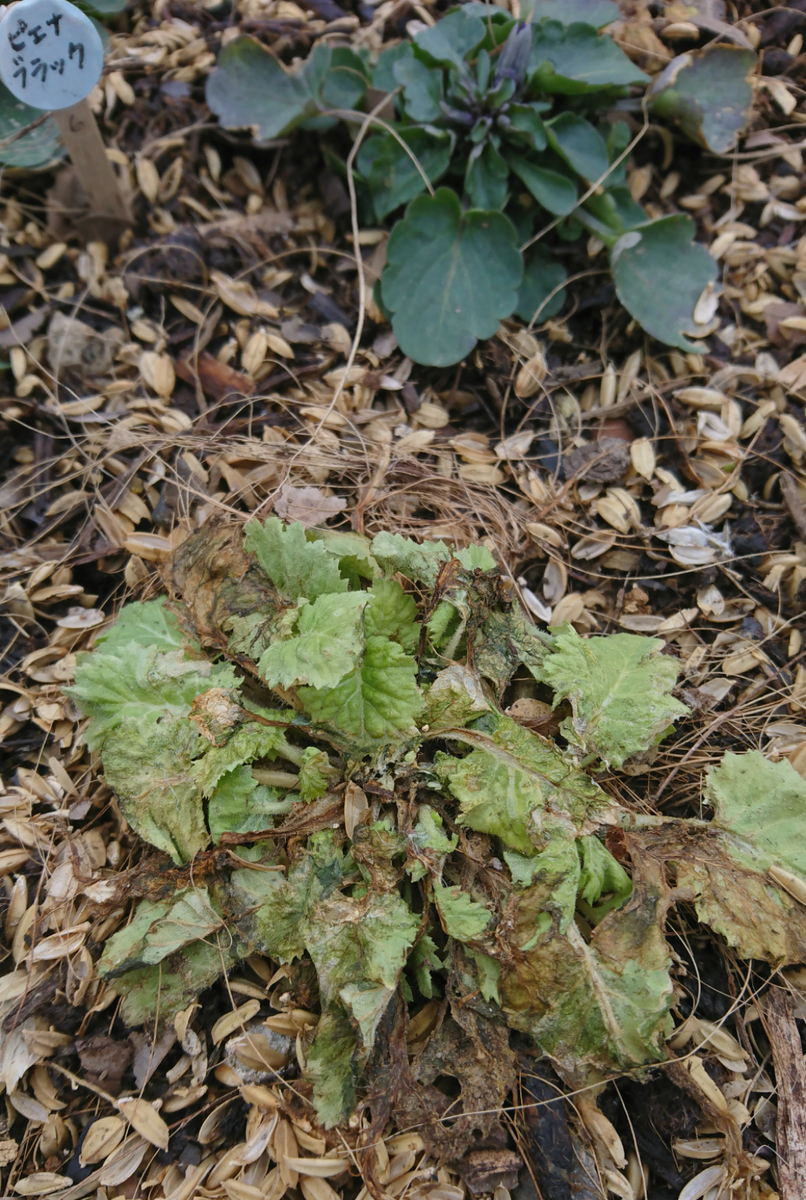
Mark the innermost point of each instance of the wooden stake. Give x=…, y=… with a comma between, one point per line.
x=790, y=1082
x=109, y=213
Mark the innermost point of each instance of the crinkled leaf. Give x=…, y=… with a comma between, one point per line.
x=555, y=192
x=455, y=697
x=159, y=929
x=506, y=785
x=240, y=804
x=708, y=93
x=424, y=961
x=660, y=274
x=602, y=1005
x=579, y=144
x=419, y=561
x=462, y=917
x=328, y=644
x=574, y=59
x=619, y=688
x=505, y=641
x=541, y=292
x=249, y=742
x=428, y=844
x=284, y=917
x=448, y=43
x=315, y=773
x=378, y=701
x=476, y=558
x=297, y=567
x=150, y=768
x=391, y=174
x=601, y=875
x=450, y=276
x=330, y=1068
x=551, y=882
x=149, y=623
x=760, y=811
x=365, y=940
x=141, y=685
x=392, y=614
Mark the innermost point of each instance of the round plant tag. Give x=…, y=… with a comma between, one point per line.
x=51, y=54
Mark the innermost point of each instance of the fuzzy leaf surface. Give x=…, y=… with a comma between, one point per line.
x=391, y=613
x=419, y=561
x=149, y=623
x=141, y=685
x=328, y=644
x=378, y=700
x=297, y=567
x=619, y=688
x=150, y=768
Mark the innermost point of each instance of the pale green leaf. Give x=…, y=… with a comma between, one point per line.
x=250, y=741
x=330, y=1068
x=163, y=990
x=159, y=929
x=462, y=917
x=284, y=918
x=297, y=567
x=506, y=785
x=378, y=701
x=600, y=876
x=240, y=804
x=551, y=880
x=315, y=773
x=620, y=692
x=392, y=614
x=364, y=940
x=140, y=684
x=428, y=844
x=148, y=623
x=328, y=645
x=418, y=561
x=489, y=971
x=424, y=961
x=151, y=770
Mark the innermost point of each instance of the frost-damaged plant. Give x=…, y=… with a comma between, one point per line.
x=520, y=120
x=318, y=726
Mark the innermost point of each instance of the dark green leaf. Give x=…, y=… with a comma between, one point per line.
x=616, y=211
x=450, y=277
x=660, y=274
x=249, y=89
x=595, y=13
x=346, y=81
x=35, y=149
x=556, y=193
x=708, y=94
x=422, y=88
x=448, y=43
x=575, y=59
x=541, y=295
x=579, y=144
x=383, y=76
x=391, y=173
x=486, y=178
x=526, y=123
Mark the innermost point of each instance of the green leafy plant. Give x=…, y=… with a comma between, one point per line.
x=330, y=710
x=509, y=116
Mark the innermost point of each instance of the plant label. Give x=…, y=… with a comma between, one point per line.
x=51, y=54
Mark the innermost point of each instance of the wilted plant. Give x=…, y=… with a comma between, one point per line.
x=317, y=736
